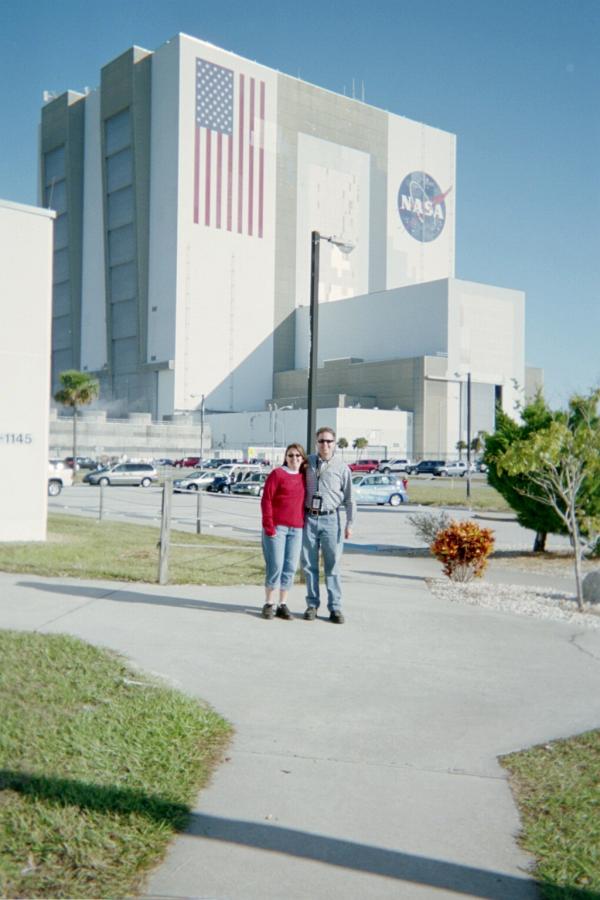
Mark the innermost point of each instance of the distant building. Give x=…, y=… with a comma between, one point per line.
x=186, y=188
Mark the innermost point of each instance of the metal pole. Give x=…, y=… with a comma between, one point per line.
x=101, y=509
x=313, y=344
x=202, y=430
x=468, y=435
x=165, y=533
x=199, y=511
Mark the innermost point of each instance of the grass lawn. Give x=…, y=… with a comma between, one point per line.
x=99, y=766
x=557, y=788
x=86, y=548
x=453, y=492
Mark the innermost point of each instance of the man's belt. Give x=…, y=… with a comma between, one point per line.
x=320, y=512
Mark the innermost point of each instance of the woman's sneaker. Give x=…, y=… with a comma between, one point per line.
x=267, y=611
x=283, y=612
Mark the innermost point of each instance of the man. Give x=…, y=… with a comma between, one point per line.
x=328, y=488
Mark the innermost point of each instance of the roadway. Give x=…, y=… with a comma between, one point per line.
x=239, y=517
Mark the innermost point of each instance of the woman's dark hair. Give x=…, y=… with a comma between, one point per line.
x=302, y=452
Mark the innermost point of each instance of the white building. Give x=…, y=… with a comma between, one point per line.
x=26, y=292
x=187, y=186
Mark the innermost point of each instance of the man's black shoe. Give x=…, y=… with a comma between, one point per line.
x=337, y=618
x=267, y=611
x=310, y=613
x=282, y=612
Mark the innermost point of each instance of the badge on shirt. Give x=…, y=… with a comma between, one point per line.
x=316, y=503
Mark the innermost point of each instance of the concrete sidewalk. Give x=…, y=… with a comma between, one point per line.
x=364, y=763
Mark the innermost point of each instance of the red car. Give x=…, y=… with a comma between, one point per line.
x=364, y=465
x=188, y=462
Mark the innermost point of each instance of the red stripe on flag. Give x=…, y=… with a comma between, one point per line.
x=261, y=161
x=251, y=159
x=207, y=182
x=229, y=178
x=219, y=175
x=197, y=177
x=241, y=155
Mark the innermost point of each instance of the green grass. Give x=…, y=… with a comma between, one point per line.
x=99, y=767
x=557, y=788
x=453, y=492
x=86, y=548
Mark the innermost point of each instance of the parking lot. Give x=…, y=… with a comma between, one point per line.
x=239, y=517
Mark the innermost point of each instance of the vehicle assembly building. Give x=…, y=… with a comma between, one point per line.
x=186, y=188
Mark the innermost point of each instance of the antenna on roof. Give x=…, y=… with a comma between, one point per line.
x=362, y=91
x=353, y=91
x=49, y=95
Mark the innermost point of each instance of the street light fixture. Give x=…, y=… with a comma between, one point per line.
x=458, y=379
x=346, y=247
x=274, y=409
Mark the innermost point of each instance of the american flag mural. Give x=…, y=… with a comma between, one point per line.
x=229, y=153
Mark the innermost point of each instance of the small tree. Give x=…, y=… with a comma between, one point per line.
x=78, y=389
x=477, y=443
x=460, y=446
x=342, y=444
x=359, y=444
x=518, y=491
x=463, y=548
x=562, y=465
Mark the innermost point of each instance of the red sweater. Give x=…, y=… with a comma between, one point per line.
x=283, y=501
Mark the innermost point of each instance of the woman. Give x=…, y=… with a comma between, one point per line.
x=282, y=507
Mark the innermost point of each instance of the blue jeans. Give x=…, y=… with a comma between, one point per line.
x=323, y=533
x=281, y=552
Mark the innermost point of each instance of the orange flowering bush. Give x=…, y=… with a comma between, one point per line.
x=463, y=548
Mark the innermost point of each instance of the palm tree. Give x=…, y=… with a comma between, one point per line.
x=342, y=444
x=359, y=444
x=78, y=389
x=460, y=446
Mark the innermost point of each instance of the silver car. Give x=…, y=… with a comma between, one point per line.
x=124, y=473
x=378, y=489
x=252, y=486
x=196, y=481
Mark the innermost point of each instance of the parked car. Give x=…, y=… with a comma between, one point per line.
x=56, y=463
x=163, y=461
x=426, y=467
x=395, y=465
x=83, y=462
x=252, y=486
x=453, y=468
x=124, y=473
x=378, y=489
x=58, y=479
x=187, y=462
x=195, y=481
x=364, y=465
x=220, y=485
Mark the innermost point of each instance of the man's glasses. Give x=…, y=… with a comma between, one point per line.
x=325, y=441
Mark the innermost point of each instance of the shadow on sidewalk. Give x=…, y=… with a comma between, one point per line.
x=120, y=596
x=462, y=879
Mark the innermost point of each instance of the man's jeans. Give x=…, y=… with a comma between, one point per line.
x=326, y=533
x=281, y=553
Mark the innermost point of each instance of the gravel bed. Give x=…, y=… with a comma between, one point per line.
x=538, y=602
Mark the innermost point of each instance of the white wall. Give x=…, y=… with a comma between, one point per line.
x=26, y=292
x=425, y=250
x=333, y=197
x=391, y=428
x=225, y=285
x=406, y=322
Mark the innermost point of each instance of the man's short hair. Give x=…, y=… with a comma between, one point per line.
x=325, y=428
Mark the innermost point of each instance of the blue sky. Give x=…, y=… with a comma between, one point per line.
x=517, y=81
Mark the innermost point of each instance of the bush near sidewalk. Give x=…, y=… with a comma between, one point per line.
x=557, y=789
x=99, y=766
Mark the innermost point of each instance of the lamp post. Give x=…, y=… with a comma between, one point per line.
x=313, y=350
x=458, y=379
x=274, y=409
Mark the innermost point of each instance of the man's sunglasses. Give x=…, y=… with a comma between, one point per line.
x=325, y=441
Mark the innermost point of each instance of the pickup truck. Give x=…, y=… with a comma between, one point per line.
x=58, y=479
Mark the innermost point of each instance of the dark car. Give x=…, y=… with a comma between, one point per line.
x=221, y=485
x=427, y=467
x=83, y=462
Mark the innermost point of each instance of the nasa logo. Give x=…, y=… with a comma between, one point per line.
x=422, y=206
